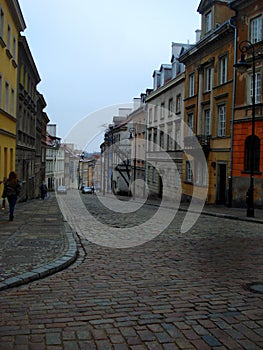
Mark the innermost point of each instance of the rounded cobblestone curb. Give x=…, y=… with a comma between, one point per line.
x=46, y=270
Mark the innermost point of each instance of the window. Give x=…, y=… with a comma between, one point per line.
x=0, y=91
x=190, y=122
x=208, y=78
x=222, y=120
x=171, y=106
x=178, y=103
x=170, y=140
x=208, y=22
x=188, y=173
x=256, y=29
x=161, y=139
x=155, y=113
x=6, y=107
x=14, y=47
x=207, y=122
x=162, y=110
x=8, y=37
x=150, y=115
x=223, y=70
x=191, y=85
x=252, y=153
x=12, y=102
x=2, y=20
x=257, y=87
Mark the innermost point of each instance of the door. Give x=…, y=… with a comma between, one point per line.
x=221, y=183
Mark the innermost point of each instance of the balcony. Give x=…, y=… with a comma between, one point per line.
x=191, y=144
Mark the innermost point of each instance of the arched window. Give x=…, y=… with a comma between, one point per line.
x=252, y=153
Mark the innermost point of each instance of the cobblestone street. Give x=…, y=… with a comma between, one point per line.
x=176, y=291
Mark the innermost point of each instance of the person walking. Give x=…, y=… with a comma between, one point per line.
x=12, y=190
x=43, y=190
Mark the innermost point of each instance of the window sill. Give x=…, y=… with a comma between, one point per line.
x=188, y=182
x=248, y=172
x=2, y=43
x=8, y=54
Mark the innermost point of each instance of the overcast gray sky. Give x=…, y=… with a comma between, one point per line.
x=94, y=54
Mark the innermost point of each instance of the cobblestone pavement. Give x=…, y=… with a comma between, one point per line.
x=176, y=291
x=36, y=243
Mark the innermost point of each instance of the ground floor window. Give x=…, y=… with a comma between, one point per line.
x=252, y=153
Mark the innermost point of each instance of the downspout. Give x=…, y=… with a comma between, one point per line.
x=230, y=178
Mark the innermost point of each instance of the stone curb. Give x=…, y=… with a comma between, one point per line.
x=50, y=268
x=227, y=216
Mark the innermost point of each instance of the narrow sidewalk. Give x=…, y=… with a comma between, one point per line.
x=36, y=244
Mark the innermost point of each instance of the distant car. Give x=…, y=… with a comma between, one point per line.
x=62, y=190
x=87, y=189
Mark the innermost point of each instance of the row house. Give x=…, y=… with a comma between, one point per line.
x=30, y=133
x=137, y=138
x=246, y=156
x=208, y=100
x=116, y=155
x=165, y=106
x=22, y=117
x=11, y=24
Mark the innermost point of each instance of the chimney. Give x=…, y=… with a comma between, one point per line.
x=197, y=35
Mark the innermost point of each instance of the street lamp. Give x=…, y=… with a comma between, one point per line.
x=133, y=131
x=248, y=47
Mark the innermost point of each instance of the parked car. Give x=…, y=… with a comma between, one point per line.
x=62, y=190
x=87, y=189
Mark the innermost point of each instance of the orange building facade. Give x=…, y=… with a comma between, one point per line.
x=249, y=22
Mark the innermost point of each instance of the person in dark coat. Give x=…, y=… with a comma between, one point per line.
x=12, y=190
x=43, y=190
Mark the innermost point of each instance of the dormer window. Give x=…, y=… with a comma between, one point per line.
x=208, y=22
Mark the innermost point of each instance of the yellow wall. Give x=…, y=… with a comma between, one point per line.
x=8, y=73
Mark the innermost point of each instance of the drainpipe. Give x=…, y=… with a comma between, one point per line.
x=230, y=178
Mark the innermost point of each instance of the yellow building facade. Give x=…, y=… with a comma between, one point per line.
x=11, y=24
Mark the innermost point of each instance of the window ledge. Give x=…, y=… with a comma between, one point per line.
x=188, y=182
x=248, y=172
x=8, y=54
x=2, y=43
x=14, y=63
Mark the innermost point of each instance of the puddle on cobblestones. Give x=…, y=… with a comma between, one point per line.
x=255, y=287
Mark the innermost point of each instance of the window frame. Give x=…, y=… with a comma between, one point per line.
x=208, y=79
x=223, y=69
x=221, y=130
x=207, y=117
x=258, y=85
x=208, y=21
x=191, y=88
x=188, y=172
x=249, y=151
x=255, y=34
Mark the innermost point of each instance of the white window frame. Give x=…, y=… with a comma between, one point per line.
x=191, y=84
x=258, y=81
x=207, y=122
x=221, y=120
x=208, y=78
x=208, y=22
x=178, y=103
x=190, y=121
x=188, y=172
x=171, y=106
x=223, y=63
x=256, y=29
